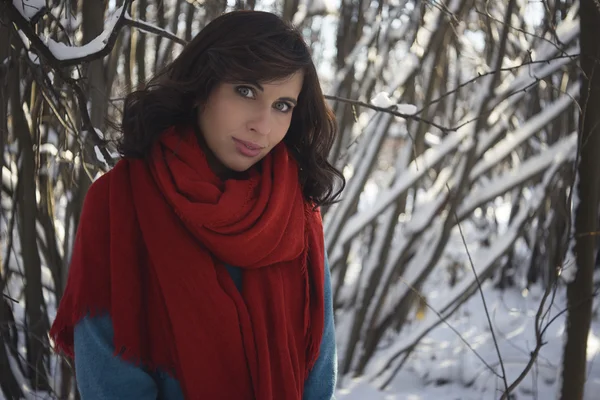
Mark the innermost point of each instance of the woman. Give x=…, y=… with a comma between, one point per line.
x=199, y=269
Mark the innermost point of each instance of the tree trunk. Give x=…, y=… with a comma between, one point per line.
x=140, y=46
x=579, y=291
x=289, y=9
x=92, y=13
x=9, y=386
x=165, y=54
x=36, y=321
x=214, y=8
x=189, y=21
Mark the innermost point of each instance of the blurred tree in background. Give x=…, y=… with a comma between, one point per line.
x=458, y=125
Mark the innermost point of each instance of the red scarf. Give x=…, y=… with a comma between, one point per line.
x=150, y=250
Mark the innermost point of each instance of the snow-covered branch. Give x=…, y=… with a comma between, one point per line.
x=45, y=51
x=30, y=9
x=58, y=55
x=398, y=110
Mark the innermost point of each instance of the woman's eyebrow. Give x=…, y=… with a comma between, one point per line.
x=262, y=89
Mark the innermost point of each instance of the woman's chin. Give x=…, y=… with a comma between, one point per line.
x=241, y=165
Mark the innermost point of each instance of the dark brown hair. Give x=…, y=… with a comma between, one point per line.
x=247, y=46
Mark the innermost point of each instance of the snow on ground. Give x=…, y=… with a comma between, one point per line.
x=442, y=367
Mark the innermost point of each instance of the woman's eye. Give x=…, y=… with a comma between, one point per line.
x=245, y=91
x=283, y=107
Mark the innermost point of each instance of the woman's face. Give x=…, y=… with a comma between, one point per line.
x=242, y=122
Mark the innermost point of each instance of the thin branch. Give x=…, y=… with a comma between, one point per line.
x=541, y=314
x=481, y=75
x=10, y=298
x=490, y=16
x=445, y=321
x=23, y=361
x=444, y=129
x=38, y=12
x=540, y=343
x=487, y=314
x=146, y=27
x=390, y=110
x=485, y=113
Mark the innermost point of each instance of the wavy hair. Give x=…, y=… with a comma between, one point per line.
x=250, y=46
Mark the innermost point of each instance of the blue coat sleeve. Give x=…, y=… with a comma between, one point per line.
x=102, y=375
x=320, y=384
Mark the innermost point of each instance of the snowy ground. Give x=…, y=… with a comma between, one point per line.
x=442, y=367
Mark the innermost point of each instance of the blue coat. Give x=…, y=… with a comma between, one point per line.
x=101, y=375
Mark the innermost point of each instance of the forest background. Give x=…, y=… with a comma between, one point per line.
x=465, y=250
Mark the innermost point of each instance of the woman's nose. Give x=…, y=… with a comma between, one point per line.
x=261, y=122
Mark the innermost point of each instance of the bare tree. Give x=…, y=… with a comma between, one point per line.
x=9, y=385
x=579, y=290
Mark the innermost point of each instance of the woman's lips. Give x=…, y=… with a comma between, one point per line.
x=248, y=149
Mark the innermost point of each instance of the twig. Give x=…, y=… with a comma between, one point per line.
x=482, y=75
x=487, y=314
x=534, y=354
x=578, y=235
x=388, y=110
x=490, y=16
x=540, y=343
x=444, y=129
x=10, y=298
x=445, y=321
x=541, y=314
x=485, y=113
x=146, y=27
x=23, y=361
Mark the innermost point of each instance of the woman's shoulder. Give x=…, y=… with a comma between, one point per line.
x=100, y=187
x=98, y=194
